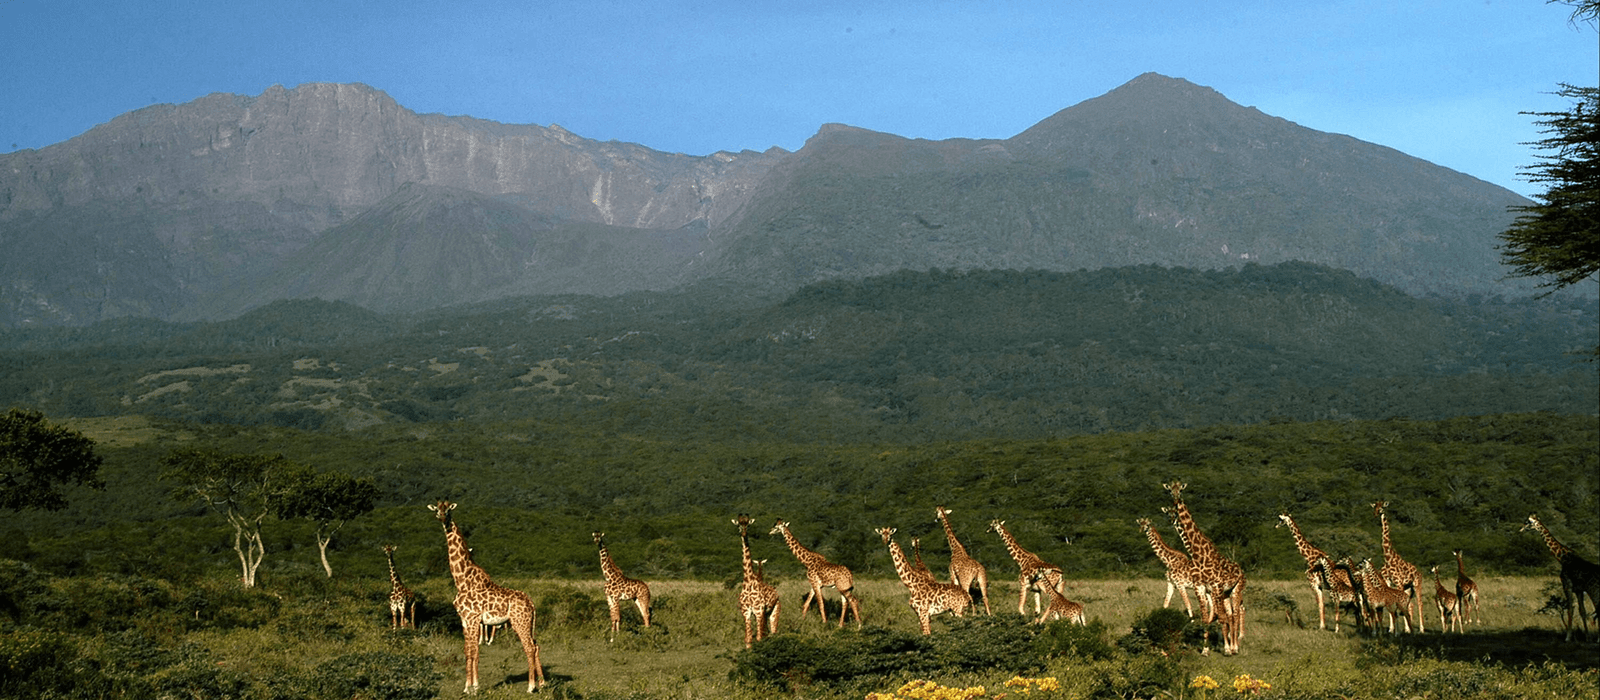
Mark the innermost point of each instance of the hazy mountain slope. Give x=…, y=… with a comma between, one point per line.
x=424, y=247
x=1157, y=171
x=228, y=184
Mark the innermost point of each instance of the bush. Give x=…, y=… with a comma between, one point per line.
x=1166, y=631
x=35, y=663
x=375, y=675
x=1064, y=639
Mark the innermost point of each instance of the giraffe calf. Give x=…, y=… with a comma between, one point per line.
x=1448, y=604
x=1062, y=609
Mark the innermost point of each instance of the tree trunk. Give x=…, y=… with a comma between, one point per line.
x=322, y=545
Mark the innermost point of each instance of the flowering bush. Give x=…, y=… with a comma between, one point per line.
x=1244, y=684
x=1028, y=685
x=929, y=690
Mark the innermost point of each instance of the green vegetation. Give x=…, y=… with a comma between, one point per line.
x=908, y=357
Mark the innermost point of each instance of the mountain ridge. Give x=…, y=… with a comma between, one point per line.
x=164, y=210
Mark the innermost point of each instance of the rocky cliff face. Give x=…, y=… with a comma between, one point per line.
x=229, y=185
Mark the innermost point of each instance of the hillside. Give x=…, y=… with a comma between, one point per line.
x=212, y=208
x=904, y=357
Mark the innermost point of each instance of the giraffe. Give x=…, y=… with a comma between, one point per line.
x=401, y=598
x=1062, y=609
x=1316, y=575
x=480, y=601
x=758, y=600
x=1386, y=600
x=1398, y=572
x=928, y=596
x=1447, y=603
x=964, y=570
x=1341, y=579
x=619, y=588
x=1180, y=571
x=1579, y=578
x=1466, y=592
x=1219, y=582
x=920, y=568
x=821, y=573
x=1035, y=574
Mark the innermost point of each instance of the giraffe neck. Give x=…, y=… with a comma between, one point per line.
x=607, y=566
x=956, y=550
x=463, y=570
x=1560, y=551
x=1163, y=552
x=1388, y=548
x=394, y=576
x=1200, y=548
x=1015, y=550
x=1312, y=554
x=749, y=565
x=900, y=567
x=806, y=556
x=1461, y=569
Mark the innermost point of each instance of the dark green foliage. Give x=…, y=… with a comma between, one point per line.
x=38, y=459
x=1559, y=236
x=795, y=661
x=376, y=675
x=1166, y=632
x=1061, y=638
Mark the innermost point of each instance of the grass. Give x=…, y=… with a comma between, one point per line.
x=689, y=651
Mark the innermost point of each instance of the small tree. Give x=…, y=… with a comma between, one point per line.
x=328, y=499
x=241, y=487
x=37, y=459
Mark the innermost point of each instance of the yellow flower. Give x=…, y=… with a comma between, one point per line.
x=1243, y=683
x=1204, y=683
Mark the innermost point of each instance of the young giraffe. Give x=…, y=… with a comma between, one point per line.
x=1062, y=609
x=1398, y=572
x=1579, y=578
x=481, y=601
x=1384, y=599
x=1218, y=580
x=1466, y=592
x=619, y=588
x=928, y=596
x=1180, y=571
x=401, y=598
x=758, y=600
x=1447, y=603
x=1316, y=575
x=821, y=573
x=964, y=570
x=1035, y=574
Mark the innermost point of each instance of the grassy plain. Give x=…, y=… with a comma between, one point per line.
x=1515, y=652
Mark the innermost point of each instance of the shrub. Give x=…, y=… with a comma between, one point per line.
x=375, y=675
x=35, y=663
x=1064, y=639
x=1165, y=631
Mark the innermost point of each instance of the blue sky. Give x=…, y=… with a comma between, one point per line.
x=1444, y=81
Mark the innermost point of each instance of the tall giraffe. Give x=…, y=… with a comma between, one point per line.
x=1397, y=571
x=1219, y=582
x=964, y=570
x=1034, y=573
x=480, y=601
x=1180, y=571
x=821, y=573
x=401, y=599
x=1341, y=579
x=1316, y=575
x=1448, y=604
x=1466, y=592
x=929, y=597
x=619, y=588
x=758, y=600
x=1579, y=578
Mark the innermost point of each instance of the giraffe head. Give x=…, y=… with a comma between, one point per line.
x=998, y=526
x=1378, y=506
x=389, y=549
x=782, y=526
x=1176, y=489
x=743, y=521
x=940, y=513
x=1284, y=519
x=887, y=533
x=1532, y=524
x=599, y=539
x=441, y=510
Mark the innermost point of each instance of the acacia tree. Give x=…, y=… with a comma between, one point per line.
x=37, y=459
x=1559, y=235
x=240, y=487
x=329, y=499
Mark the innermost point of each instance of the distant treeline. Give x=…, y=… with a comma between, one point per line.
x=907, y=357
x=530, y=492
